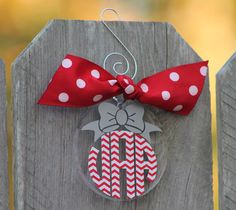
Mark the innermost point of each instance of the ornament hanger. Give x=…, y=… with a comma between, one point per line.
x=117, y=53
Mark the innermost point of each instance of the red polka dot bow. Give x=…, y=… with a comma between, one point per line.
x=80, y=83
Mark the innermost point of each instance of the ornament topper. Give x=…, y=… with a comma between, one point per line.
x=112, y=118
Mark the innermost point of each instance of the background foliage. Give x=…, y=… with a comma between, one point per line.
x=209, y=26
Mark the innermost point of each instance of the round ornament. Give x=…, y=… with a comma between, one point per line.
x=123, y=162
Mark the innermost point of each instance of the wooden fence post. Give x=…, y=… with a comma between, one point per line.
x=46, y=159
x=226, y=131
x=4, y=202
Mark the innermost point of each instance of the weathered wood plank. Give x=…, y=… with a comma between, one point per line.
x=50, y=151
x=4, y=202
x=226, y=131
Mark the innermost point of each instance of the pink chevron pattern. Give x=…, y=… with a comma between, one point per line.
x=115, y=164
x=151, y=164
x=139, y=157
x=92, y=167
x=128, y=164
x=135, y=147
x=106, y=168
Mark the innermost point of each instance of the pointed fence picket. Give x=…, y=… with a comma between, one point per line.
x=226, y=130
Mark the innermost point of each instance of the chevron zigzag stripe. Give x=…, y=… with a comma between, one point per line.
x=139, y=158
x=151, y=164
x=115, y=165
x=92, y=167
x=106, y=169
x=130, y=175
x=94, y=173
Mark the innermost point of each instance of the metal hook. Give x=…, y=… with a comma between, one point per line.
x=119, y=101
x=123, y=45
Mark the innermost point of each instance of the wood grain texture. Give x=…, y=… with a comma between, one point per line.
x=50, y=151
x=4, y=202
x=226, y=131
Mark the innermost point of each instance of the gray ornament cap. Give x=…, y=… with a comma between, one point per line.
x=113, y=118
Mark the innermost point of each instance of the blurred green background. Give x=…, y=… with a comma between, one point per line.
x=209, y=26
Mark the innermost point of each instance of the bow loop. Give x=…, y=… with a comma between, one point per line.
x=108, y=120
x=113, y=118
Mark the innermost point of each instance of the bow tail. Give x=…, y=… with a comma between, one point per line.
x=176, y=89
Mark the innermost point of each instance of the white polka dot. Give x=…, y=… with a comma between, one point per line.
x=203, y=71
x=112, y=82
x=129, y=89
x=126, y=81
x=63, y=97
x=193, y=90
x=95, y=73
x=178, y=108
x=174, y=76
x=165, y=95
x=144, y=87
x=97, y=98
x=66, y=63
x=80, y=83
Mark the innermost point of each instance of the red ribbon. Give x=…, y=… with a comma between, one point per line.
x=80, y=83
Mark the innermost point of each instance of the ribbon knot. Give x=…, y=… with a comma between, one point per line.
x=130, y=89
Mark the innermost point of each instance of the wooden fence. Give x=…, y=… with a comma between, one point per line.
x=49, y=154
x=3, y=142
x=226, y=128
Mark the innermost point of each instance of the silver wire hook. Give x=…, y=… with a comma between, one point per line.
x=123, y=45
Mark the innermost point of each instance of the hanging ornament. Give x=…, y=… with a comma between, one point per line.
x=118, y=124
x=79, y=82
